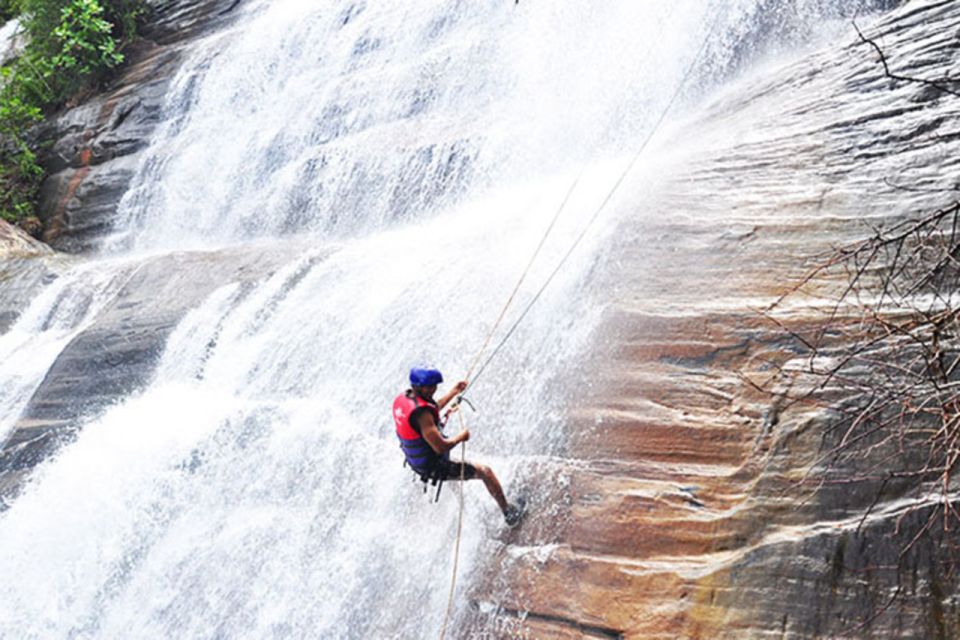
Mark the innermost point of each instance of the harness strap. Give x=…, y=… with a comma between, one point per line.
x=434, y=478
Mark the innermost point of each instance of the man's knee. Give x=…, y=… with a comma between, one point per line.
x=483, y=472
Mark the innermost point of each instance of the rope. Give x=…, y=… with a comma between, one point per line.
x=523, y=276
x=456, y=403
x=476, y=359
x=606, y=200
x=526, y=310
x=456, y=546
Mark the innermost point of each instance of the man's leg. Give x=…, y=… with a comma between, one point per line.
x=472, y=470
x=493, y=485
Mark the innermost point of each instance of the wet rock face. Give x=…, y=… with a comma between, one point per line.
x=24, y=265
x=118, y=352
x=12, y=41
x=93, y=148
x=687, y=514
x=14, y=242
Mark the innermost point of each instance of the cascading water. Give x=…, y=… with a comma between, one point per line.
x=417, y=150
x=59, y=312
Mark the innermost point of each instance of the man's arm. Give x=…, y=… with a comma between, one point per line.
x=431, y=433
x=460, y=387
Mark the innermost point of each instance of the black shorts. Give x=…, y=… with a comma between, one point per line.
x=450, y=470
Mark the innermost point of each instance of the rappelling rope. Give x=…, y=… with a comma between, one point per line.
x=603, y=205
x=456, y=546
x=526, y=310
x=523, y=276
x=456, y=402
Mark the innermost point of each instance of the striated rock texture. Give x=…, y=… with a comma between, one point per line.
x=683, y=518
x=24, y=264
x=14, y=242
x=93, y=148
x=90, y=155
x=116, y=354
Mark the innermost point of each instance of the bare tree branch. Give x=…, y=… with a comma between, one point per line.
x=894, y=76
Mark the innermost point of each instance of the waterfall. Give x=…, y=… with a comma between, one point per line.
x=350, y=116
x=408, y=156
x=59, y=313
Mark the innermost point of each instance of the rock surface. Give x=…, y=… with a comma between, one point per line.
x=118, y=352
x=11, y=41
x=24, y=265
x=682, y=519
x=93, y=148
x=15, y=243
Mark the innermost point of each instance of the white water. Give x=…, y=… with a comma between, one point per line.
x=349, y=116
x=254, y=489
x=59, y=313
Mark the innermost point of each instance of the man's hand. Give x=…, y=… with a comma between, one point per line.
x=460, y=387
x=463, y=436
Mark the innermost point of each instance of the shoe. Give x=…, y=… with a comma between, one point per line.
x=513, y=514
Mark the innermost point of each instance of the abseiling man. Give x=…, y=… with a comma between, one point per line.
x=417, y=418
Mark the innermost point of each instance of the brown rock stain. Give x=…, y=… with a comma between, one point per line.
x=57, y=218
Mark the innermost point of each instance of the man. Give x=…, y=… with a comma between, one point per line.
x=417, y=418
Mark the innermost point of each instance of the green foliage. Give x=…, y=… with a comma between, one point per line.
x=9, y=9
x=20, y=174
x=86, y=43
x=125, y=16
x=72, y=46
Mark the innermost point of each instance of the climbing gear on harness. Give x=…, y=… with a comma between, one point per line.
x=435, y=478
x=424, y=377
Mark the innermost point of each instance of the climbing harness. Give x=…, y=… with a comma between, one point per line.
x=435, y=479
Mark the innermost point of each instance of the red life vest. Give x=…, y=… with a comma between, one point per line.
x=419, y=454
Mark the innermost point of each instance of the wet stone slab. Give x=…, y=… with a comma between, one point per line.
x=118, y=352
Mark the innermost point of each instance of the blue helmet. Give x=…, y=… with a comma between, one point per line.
x=424, y=377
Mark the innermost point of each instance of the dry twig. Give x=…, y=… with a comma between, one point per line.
x=887, y=365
